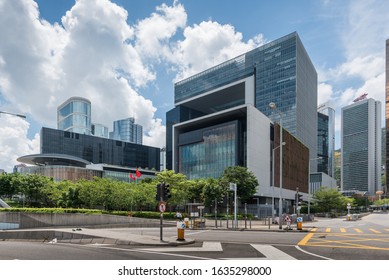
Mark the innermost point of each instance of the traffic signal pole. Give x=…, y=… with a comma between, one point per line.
x=163, y=193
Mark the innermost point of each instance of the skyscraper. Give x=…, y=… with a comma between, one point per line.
x=74, y=115
x=126, y=130
x=387, y=114
x=282, y=72
x=361, y=146
x=326, y=140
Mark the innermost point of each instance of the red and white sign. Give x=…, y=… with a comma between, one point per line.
x=162, y=207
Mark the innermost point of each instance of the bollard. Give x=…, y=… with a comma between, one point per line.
x=180, y=231
x=299, y=223
x=186, y=221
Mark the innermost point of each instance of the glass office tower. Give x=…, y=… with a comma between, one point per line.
x=325, y=140
x=361, y=146
x=74, y=115
x=126, y=130
x=283, y=73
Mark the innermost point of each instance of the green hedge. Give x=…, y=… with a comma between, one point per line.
x=148, y=215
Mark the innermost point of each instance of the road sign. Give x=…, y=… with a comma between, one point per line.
x=162, y=206
x=299, y=219
x=200, y=207
x=348, y=206
x=232, y=187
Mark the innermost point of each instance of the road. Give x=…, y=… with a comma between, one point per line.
x=337, y=239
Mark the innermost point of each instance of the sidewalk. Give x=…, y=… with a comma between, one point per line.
x=255, y=225
x=89, y=236
x=124, y=237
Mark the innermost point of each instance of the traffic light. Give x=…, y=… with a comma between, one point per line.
x=166, y=192
x=159, y=194
x=299, y=199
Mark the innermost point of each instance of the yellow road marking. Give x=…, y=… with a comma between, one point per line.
x=375, y=231
x=342, y=230
x=315, y=229
x=305, y=239
x=328, y=229
x=358, y=230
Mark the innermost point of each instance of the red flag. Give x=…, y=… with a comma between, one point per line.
x=132, y=176
x=138, y=174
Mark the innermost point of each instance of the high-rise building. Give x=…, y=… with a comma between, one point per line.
x=387, y=115
x=326, y=140
x=282, y=73
x=361, y=146
x=74, y=115
x=127, y=130
x=222, y=118
x=100, y=130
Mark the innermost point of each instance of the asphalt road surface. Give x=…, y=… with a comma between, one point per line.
x=338, y=239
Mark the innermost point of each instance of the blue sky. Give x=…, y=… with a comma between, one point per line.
x=124, y=55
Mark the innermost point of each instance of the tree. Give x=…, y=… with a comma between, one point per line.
x=328, y=200
x=34, y=187
x=7, y=187
x=246, y=181
x=212, y=190
x=178, y=186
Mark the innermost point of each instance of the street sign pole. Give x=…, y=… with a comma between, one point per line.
x=234, y=188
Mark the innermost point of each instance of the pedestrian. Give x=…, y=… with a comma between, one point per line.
x=287, y=220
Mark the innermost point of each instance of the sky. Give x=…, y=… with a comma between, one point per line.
x=125, y=55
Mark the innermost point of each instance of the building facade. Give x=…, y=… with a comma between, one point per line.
x=387, y=115
x=216, y=124
x=100, y=130
x=326, y=140
x=74, y=115
x=282, y=72
x=361, y=147
x=127, y=130
x=99, y=150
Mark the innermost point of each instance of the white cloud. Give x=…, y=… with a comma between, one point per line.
x=208, y=44
x=153, y=33
x=96, y=54
x=324, y=93
x=14, y=141
x=365, y=68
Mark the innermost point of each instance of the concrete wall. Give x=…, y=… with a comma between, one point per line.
x=14, y=220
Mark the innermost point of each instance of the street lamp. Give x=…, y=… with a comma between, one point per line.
x=273, y=106
x=16, y=115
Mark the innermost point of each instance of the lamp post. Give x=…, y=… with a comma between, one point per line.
x=273, y=106
x=12, y=114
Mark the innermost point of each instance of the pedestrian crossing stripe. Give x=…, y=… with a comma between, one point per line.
x=349, y=230
x=268, y=251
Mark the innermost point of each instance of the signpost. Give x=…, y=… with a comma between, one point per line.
x=233, y=187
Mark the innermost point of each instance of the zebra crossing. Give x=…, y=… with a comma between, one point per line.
x=264, y=251
x=350, y=230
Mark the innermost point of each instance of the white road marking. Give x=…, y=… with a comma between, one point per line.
x=207, y=247
x=271, y=252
